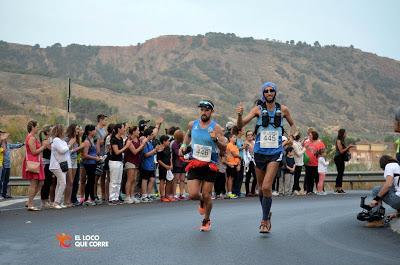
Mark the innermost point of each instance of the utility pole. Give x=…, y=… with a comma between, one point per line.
x=69, y=100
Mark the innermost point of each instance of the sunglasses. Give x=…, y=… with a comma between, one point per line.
x=269, y=90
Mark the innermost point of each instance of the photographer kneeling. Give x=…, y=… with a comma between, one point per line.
x=390, y=191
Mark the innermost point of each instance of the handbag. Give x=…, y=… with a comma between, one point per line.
x=346, y=156
x=64, y=166
x=306, y=158
x=99, y=168
x=170, y=175
x=31, y=166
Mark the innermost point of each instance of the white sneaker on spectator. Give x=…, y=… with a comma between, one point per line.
x=128, y=200
x=135, y=200
x=275, y=193
x=57, y=206
x=146, y=199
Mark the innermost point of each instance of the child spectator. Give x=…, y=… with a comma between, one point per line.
x=233, y=162
x=164, y=159
x=288, y=176
x=322, y=170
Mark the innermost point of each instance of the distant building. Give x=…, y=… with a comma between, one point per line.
x=369, y=153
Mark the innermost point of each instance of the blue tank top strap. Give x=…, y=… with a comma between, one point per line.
x=270, y=128
x=201, y=136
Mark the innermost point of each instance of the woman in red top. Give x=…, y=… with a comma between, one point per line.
x=33, y=153
x=132, y=162
x=313, y=147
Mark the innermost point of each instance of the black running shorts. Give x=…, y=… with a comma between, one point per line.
x=202, y=174
x=263, y=160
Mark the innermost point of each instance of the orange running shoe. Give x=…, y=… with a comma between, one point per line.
x=171, y=199
x=164, y=199
x=205, y=225
x=201, y=209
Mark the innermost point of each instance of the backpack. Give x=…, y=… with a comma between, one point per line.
x=277, y=119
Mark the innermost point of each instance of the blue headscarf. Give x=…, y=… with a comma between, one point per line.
x=265, y=85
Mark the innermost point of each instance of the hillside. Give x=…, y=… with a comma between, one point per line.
x=325, y=87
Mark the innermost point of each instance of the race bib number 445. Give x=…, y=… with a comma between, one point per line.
x=269, y=139
x=202, y=152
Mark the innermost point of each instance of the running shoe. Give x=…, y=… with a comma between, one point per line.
x=205, y=225
x=146, y=199
x=171, y=199
x=182, y=197
x=164, y=199
x=201, y=208
x=113, y=203
x=339, y=191
x=232, y=196
x=265, y=227
x=128, y=200
x=135, y=200
x=57, y=206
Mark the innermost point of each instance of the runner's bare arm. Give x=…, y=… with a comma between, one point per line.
x=288, y=117
x=243, y=121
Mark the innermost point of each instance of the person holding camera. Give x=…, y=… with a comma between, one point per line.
x=389, y=192
x=342, y=155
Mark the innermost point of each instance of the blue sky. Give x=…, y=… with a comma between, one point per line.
x=372, y=26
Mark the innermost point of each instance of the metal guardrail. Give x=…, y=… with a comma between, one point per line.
x=352, y=177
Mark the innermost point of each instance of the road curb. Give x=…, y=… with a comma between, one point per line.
x=395, y=225
x=6, y=203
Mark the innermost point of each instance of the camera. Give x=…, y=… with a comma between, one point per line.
x=369, y=213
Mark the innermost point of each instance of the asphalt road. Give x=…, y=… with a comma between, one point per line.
x=305, y=230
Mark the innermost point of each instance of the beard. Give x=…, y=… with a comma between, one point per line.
x=205, y=118
x=270, y=101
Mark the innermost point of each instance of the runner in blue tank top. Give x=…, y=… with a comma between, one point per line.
x=268, y=147
x=206, y=139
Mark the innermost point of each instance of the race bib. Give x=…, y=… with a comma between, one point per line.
x=269, y=139
x=202, y=152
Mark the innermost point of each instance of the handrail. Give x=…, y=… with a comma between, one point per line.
x=350, y=176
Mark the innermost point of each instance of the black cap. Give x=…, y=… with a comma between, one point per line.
x=143, y=122
x=101, y=116
x=205, y=103
x=142, y=125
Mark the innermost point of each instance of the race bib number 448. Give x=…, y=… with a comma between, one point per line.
x=269, y=139
x=202, y=152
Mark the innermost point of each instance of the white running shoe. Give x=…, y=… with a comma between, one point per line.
x=135, y=200
x=57, y=206
x=128, y=200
